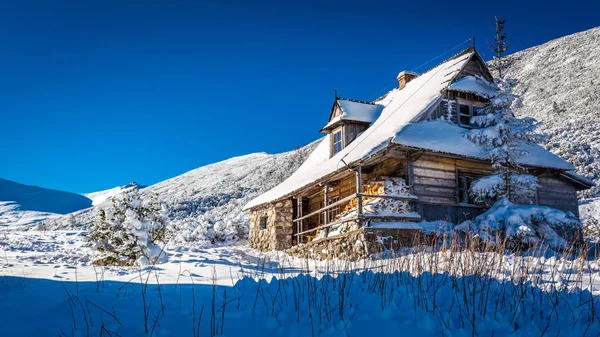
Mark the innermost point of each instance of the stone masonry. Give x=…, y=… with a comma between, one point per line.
x=357, y=244
x=278, y=232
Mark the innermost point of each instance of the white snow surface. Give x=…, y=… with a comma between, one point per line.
x=418, y=135
x=473, y=85
x=357, y=111
x=48, y=287
x=23, y=205
x=101, y=196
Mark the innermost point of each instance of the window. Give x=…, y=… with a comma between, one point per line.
x=337, y=141
x=465, y=180
x=263, y=222
x=334, y=211
x=465, y=112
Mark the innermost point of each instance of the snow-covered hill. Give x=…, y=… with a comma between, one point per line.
x=560, y=82
x=22, y=205
x=101, y=196
x=204, y=205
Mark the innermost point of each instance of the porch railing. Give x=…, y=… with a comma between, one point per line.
x=359, y=216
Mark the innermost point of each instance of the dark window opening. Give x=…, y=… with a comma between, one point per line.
x=263, y=222
x=465, y=181
x=465, y=114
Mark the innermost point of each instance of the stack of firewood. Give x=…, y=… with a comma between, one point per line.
x=384, y=186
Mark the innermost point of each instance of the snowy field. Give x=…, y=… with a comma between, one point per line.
x=49, y=288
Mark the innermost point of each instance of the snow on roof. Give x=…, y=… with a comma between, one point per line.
x=473, y=85
x=419, y=135
x=401, y=107
x=356, y=111
x=580, y=178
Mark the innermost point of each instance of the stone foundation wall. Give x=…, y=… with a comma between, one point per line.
x=278, y=233
x=355, y=245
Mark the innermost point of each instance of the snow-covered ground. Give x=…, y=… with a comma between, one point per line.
x=49, y=288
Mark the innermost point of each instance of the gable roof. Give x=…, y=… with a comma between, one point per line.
x=396, y=125
x=354, y=111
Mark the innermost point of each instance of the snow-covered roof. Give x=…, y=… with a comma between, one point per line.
x=473, y=85
x=580, y=178
x=452, y=141
x=395, y=124
x=356, y=111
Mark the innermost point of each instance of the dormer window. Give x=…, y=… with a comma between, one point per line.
x=337, y=145
x=466, y=110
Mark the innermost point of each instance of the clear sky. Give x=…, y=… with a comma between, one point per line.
x=95, y=94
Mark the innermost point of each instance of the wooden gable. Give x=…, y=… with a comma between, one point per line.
x=476, y=67
x=336, y=110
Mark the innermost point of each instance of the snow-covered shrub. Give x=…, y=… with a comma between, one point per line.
x=206, y=229
x=591, y=228
x=129, y=232
x=523, y=226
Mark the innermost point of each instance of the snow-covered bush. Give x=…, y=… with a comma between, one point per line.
x=129, y=232
x=207, y=229
x=591, y=228
x=523, y=226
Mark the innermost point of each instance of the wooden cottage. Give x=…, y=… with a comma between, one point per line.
x=399, y=161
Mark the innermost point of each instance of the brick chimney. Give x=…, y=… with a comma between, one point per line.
x=405, y=77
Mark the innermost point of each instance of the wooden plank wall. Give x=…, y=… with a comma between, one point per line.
x=558, y=194
x=434, y=181
x=351, y=131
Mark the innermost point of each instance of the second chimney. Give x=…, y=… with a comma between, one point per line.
x=405, y=77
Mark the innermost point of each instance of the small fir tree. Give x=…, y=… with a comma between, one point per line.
x=505, y=137
x=129, y=231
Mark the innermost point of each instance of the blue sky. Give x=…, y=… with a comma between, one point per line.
x=95, y=94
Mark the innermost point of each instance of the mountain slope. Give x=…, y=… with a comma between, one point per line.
x=204, y=205
x=559, y=83
x=101, y=196
x=21, y=205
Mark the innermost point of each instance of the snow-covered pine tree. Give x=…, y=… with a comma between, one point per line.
x=504, y=136
x=129, y=231
x=501, y=44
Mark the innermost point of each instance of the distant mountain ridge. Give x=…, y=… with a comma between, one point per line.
x=39, y=199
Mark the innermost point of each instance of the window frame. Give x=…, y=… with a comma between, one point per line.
x=463, y=189
x=339, y=130
x=263, y=222
x=471, y=105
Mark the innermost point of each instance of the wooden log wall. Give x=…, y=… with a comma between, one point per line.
x=434, y=181
x=557, y=193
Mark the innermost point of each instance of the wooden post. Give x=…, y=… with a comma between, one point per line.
x=299, y=223
x=326, y=203
x=359, y=209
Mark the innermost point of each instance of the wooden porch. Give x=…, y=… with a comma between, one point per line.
x=309, y=221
